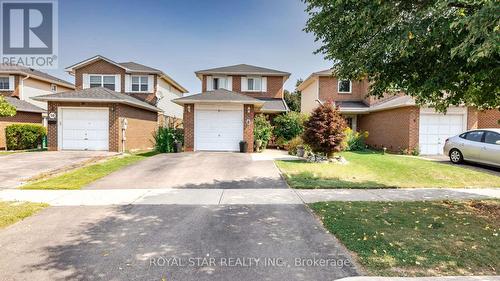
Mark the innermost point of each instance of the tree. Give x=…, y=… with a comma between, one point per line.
x=293, y=99
x=442, y=52
x=289, y=125
x=6, y=110
x=324, y=131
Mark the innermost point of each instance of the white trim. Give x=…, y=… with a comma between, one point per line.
x=140, y=79
x=128, y=83
x=115, y=76
x=53, y=88
x=338, y=86
x=254, y=79
x=229, y=83
x=210, y=83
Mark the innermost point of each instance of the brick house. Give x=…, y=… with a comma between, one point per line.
x=19, y=85
x=115, y=107
x=394, y=121
x=221, y=116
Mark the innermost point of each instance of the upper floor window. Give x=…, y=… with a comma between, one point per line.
x=106, y=81
x=254, y=84
x=345, y=86
x=139, y=83
x=4, y=83
x=219, y=83
x=53, y=88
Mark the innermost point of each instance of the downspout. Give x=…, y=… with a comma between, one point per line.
x=22, y=87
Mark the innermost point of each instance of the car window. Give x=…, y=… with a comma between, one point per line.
x=491, y=137
x=474, y=136
x=463, y=135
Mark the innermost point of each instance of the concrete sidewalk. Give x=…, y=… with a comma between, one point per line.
x=447, y=278
x=235, y=196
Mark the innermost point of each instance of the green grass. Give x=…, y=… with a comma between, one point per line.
x=418, y=238
x=78, y=178
x=11, y=212
x=373, y=170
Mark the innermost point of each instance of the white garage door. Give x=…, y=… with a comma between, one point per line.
x=435, y=128
x=84, y=129
x=218, y=128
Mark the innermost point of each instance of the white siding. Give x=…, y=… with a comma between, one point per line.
x=33, y=88
x=166, y=93
x=309, y=96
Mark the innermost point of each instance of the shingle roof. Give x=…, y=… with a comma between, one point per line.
x=274, y=105
x=133, y=66
x=10, y=68
x=351, y=104
x=23, y=106
x=243, y=69
x=220, y=95
x=99, y=94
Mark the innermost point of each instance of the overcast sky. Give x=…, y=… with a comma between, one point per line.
x=180, y=37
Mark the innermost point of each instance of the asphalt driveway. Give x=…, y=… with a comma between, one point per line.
x=195, y=170
x=175, y=242
x=16, y=168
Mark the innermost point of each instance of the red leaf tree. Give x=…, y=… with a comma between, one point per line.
x=324, y=131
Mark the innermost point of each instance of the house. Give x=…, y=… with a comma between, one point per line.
x=221, y=116
x=19, y=85
x=394, y=121
x=115, y=107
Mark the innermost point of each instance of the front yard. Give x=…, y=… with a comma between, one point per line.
x=373, y=170
x=418, y=238
x=11, y=212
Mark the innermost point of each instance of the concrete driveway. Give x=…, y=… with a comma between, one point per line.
x=140, y=242
x=195, y=170
x=16, y=168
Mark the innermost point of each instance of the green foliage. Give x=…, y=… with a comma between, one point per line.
x=166, y=137
x=288, y=126
x=296, y=143
x=442, y=52
x=6, y=110
x=262, y=129
x=293, y=99
x=354, y=141
x=24, y=136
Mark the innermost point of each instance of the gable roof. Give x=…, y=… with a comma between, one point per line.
x=99, y=94
x=242, y=69
x=310, y=79
x=129, y=67
x=23, y=106
x=219, y=96
x=6, y=68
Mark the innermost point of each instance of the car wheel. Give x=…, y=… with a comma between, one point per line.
x=456, y=156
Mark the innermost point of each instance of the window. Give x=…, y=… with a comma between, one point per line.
x=4, y=83
x=492, y=138
x=53, y=88
x=254, y=84
x=474, y=136
x=219, y=83
x=216, y=83
x=106, y=81
x=344, y=86
x=348, y=120
x=139, y=83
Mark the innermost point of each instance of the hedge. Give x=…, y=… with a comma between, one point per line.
x=24, y=136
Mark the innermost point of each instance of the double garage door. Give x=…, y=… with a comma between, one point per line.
x=83, y=129
x=435, y=128
x=218, y=128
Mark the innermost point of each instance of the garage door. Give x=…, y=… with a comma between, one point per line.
x=84, y=129
x=218, y=128
x=435, y=128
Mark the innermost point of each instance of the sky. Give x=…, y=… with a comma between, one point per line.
x=182, y=36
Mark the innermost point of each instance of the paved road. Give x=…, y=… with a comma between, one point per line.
x=134, y=242
x=16, y=168
x=200, y=170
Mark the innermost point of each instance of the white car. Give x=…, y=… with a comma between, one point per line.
x=480, y=146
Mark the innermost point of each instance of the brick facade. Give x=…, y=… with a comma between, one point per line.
x=248, y=116
x=489, y=118
x=19, y=118
x=188, y=120
x=141, y=127
x=328, y=90
x=99, y=67
x=274, y=86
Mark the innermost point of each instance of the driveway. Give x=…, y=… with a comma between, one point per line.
x=135, y=243
x=468, y=165
x=217, y=170
x=16, y=168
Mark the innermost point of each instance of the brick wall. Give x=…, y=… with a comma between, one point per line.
x=99, y=67
x=188, y=120
x=147, y=97
x=19, y=118
x=248, y=125
x=141, y=127
x=274, y=86
x=328, y=90
x=489, y=118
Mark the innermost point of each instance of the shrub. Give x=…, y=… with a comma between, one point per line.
x=289, y=125
x=324, y=131
x=354, y=141
x=262, y=129
x=295, y=143
x=166, y=137
x=24, y=136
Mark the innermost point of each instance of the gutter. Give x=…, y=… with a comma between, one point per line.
x=97, y=100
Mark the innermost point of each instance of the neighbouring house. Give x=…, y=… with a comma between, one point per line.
x=115, y=107
x=394, y=121
x=19, y=85
x=221, y=116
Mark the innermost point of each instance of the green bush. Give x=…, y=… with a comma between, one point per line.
x=355, y=141
x=166, y=137
x=262, y=130
x=289, y=125
x=24, y=136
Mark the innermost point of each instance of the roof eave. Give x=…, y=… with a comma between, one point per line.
x=20, y=72
x=182, y=102
x=71, y=69
x=42, y=98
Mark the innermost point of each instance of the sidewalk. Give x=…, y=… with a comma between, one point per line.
x=447, y=278
x=235, y=196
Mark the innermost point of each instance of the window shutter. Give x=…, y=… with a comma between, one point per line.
x=151, y=81
x=229, y=83
x=244, y=84
x=86, y=81
x=264, y=84
x=128, y=85
x=118, y=83
x=12, y=80
x=210, y=86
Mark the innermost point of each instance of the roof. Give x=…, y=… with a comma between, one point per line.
x=219, y=96
x=19, y=69
x=242, y=69
x=310, y=79
x=23, y=106
x=129, y=67
x=99, y=94
x=274, y=105
x=394, y=102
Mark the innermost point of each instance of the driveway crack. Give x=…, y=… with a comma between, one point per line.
x=220, y=199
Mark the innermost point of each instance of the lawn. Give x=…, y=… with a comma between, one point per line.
x=78, y=178
x=11, y=212
x=373, y=170
x=418, y=238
